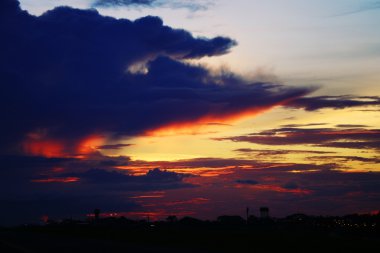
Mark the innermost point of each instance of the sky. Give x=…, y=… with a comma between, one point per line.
x=189, y=108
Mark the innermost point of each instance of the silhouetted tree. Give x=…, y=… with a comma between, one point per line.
x=172, y=218
x=231, y=220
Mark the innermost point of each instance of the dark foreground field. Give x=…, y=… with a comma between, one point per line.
x=168, y=238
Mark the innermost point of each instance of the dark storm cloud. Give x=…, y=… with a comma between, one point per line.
x=325, y=137
x=155, y=179
x=106, y=177
x=65, y=75
x=333, y=102
x=23, y=172
x=59, y=187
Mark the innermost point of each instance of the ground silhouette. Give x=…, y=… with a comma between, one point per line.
x=297, y=232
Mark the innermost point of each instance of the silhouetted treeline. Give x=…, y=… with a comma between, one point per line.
x=365, y=223
x=297, y=232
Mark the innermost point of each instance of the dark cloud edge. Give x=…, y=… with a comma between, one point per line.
x=192, y=6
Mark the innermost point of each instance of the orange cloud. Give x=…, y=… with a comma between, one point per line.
x=89, y=144
x=57, y=180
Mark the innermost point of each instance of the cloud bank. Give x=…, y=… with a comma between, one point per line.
x=353, y=138
x=68, y=75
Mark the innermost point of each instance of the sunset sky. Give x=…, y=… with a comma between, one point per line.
x=189, y=108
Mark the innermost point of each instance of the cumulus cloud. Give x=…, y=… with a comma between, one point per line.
x=64, y=76
x=65, y=70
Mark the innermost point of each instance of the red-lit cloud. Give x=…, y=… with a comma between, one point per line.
x=57, y=180
x=274, y=188
x=45, y=147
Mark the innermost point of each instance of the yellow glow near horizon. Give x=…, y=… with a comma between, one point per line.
x=182, y=146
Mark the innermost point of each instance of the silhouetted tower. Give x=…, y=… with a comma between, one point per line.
x=247, y=213
x=264, y=212
x=96, y=214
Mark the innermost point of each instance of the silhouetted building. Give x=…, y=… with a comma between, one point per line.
x=96, y=214
x=231, y=220
x=264, y=212
x=190, y=221
x=298, y=217
x=252, y=219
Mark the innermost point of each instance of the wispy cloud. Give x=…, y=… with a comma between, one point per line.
x=278, y=152
x=196, y=5
x=367, y=160
x=364, y=7
x=354, y=138
x=334, y=102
